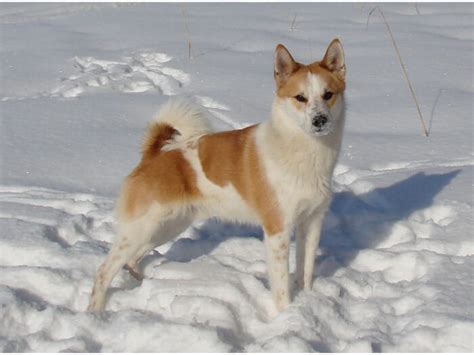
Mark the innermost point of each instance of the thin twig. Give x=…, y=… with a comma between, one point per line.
x=292, y=26
x=405, y=73
x=416, y=8
x=368, y=17
x=433, y=109
x=188, y=35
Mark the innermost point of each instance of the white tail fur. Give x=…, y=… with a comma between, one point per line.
x=189, y=118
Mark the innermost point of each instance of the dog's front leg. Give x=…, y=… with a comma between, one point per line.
x=301, y=232
x=277, y=246
x=308, y=234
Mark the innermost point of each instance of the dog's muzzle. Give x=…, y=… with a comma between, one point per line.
x=319, y=122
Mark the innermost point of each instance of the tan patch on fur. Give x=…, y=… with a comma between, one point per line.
x=231, y=158
x=280, y=258
x=292, y=86
x=134, y=272
x=283, y=247
x=161, y=176
x=279, y=297
x=157, y=135
x=334, y=82
x=123, y=246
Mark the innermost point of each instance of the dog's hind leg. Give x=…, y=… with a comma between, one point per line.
x=122, y=251
x=132, y=266
x=148, y=233
x=133, y=236
x=166, y=231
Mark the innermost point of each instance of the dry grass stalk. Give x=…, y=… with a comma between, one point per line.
x=416, y=8
x=405, y=73
x=188, y=34
x=293, y=24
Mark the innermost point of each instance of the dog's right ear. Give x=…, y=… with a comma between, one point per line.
x=284, y=65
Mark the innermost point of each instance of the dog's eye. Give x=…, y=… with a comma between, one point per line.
x=327, y=95
x=301, y=98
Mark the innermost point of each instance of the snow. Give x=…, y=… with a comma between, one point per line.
x=79, y=84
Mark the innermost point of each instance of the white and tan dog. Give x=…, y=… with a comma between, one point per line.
x=276, y=174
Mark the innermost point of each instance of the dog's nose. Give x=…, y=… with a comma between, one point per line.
x=319, y=121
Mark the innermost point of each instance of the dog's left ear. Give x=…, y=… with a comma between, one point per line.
x=334, y=58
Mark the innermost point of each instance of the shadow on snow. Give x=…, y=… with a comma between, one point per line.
x=364, y=221
x=353, y=222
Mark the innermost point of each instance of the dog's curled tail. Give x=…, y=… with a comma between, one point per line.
x=178, y=120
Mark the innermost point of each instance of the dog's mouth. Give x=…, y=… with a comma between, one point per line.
x=322, y=131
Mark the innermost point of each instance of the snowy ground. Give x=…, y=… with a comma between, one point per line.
x=79, y=83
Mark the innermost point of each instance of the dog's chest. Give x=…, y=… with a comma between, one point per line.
x=302, y=181
x=304, y=187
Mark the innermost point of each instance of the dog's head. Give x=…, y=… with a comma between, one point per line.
x=311, y=95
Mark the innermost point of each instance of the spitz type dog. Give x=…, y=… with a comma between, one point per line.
x=276, y=174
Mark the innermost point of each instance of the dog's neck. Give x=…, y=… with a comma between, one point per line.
x=300, y=153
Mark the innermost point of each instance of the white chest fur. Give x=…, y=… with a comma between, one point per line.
x=299, y=167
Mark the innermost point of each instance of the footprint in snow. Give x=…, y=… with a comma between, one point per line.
x=138, y=73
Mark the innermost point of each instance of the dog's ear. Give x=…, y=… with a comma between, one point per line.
x=334, y=58
x=284, y=65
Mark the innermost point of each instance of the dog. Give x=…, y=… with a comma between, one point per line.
x=276, y=174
